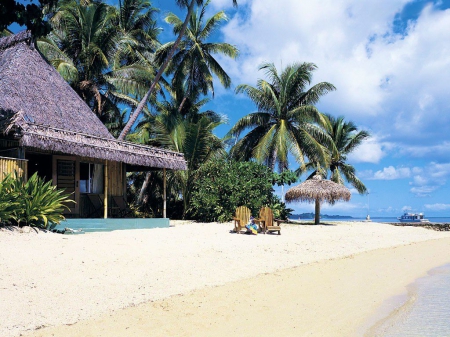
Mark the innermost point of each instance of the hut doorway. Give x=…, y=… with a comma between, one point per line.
x=66, y=175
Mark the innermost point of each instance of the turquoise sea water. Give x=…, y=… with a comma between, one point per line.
x=425, y=310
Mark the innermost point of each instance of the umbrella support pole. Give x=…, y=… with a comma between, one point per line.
x=317, y=213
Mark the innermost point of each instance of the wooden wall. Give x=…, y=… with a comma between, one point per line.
x=116, y=178
x=11, y=165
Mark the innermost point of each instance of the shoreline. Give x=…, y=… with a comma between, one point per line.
x=423, y=310
x=202, y=278
x=338, y=311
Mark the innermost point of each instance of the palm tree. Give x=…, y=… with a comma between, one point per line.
x=286, y=120
x=193, y=65
x=105, y=53
x=182, y=3
x=345, y=139
x=80, y=46
x=137, y=30
x=191, y=134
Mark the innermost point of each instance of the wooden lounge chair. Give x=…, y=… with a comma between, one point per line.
x=266, y=221
x=241, y=218
x=122, y=205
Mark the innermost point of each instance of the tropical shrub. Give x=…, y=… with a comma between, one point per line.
x=7, y=200
x=279, y=209
x=222, y=186
x=38, y=203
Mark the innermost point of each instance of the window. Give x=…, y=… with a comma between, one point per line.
x=91, y=178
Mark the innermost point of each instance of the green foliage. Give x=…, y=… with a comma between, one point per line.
x=284, y=178
x=30, y=15
x=7, y=199
x=36, y=202
x=194, y=64
x=286, y=121
x=190, y=132
x=343, y=138
x=279, y=209
x=223, y=186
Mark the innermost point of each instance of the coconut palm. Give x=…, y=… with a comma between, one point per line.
x=134, y=20
x=190, y=7
x=191, y=133
x=345, y=139
x=80, y=46
x=194, y=64
x=93, y=46
x=286, y=122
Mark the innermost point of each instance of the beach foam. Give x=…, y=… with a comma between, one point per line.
x=424, y=311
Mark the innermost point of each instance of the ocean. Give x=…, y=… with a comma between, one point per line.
x=425, y=311
x=385, y=219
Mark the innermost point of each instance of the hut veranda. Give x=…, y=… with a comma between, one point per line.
x=45, y=127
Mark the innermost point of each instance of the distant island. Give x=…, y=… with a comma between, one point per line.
x=323, y=216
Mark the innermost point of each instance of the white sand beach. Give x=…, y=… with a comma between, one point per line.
x=198, y=279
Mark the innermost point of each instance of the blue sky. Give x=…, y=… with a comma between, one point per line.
x=390, y=62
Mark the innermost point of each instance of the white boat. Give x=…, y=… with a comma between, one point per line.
x=412, y=217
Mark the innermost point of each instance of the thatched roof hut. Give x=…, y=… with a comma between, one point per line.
x=318, y=190
x=40, y=109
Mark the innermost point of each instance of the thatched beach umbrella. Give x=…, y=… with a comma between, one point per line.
x=318, y=190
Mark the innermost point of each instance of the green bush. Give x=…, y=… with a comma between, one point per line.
x=222, y=186
x=32, y=203
x=279, y=209
x=7, y=199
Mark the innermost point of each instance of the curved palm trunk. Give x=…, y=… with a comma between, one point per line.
x=182, y=103
x=144, y=186
x=142, y=103
x=317, y=214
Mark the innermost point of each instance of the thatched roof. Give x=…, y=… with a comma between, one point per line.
x=44, y=112
x=320, y=189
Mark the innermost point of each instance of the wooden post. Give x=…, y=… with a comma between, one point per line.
x=164, y=193
x=317, y=213
x=105, y=203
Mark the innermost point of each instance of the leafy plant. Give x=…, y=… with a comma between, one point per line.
x=7, y=199
x=279, y=209
x=223, y=186
x=38, y=202
x=284, y=178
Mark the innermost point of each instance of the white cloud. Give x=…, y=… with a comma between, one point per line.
x=437, y=207
x=424, y=180
x=392, y=173
x=430, y=178
x=389, y=209
x=441, y=150
x=392, y=82
x=370, y=151
x=406, y=209
x=424, y=191
x=353, y=190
